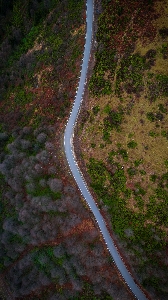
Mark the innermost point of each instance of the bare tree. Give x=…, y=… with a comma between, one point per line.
x=41, y=138
x=55, y=184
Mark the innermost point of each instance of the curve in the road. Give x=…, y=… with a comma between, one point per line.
x=69, y=151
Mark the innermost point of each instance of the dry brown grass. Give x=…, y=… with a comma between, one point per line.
x=152, y=150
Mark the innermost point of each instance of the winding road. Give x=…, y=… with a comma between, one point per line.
x=70, y=155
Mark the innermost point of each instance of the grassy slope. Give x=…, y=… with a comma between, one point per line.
x=41, y=49
x=125, y=140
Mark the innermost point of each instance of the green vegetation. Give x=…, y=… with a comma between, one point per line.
x=153, y=134
x=151, y=116
x=39, y=192
x=99, y=84
x=22, y=98
x=26, y=44
x=128, y=170
x=132, y=171
x=131, y=73
x=112, y=121
x=96, y=109
x=112, y=196
x=132, y=144
x=46, y=251
x=162, y=81
x=164, y=50
x=138, y=162
x=88, y=294
x=124, y=154
x=166, y=163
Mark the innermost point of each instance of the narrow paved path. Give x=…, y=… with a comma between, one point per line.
x=69, y=151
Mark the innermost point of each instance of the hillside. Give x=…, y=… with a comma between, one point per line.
x=123, y=134
x=50, y=245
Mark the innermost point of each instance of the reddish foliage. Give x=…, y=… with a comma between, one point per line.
x=133, y=20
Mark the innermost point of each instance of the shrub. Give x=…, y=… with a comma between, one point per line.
x=139, y=201
x=164, y=133
x=93, y=145
x=139, y=190
x=107, y=109
x=162, y=108
x=101, y=146
x=138, y=162
x=164, y=50
x=159, y=116
x=124, y=154
x=106, y=136
x=132, y=144
x=166, y=163
x=131, y=171
x=152, y=133
x=150, y=116
x=142, y=172
x=163, y=32
x=162, y=81
x=153, y=177
x=114, y=119
x=96, y=109
x=151, y=53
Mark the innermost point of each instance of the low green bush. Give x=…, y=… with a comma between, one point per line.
x=150, y=116
x=132, y=144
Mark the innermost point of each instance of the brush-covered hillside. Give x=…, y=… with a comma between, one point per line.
x=123, y=134
x=50, y=246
